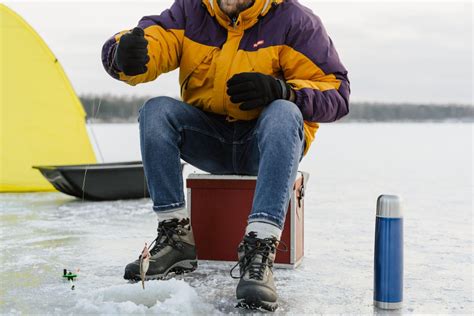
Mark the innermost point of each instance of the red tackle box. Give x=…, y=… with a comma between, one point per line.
x=219, y=206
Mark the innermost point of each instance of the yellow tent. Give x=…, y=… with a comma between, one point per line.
x=42, y=121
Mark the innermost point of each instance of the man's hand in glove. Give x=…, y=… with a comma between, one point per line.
x=131, y=55
x=254, y=89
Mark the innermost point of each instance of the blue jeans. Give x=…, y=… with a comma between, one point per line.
x=269, y=147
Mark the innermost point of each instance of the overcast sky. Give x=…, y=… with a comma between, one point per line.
x=395, y=51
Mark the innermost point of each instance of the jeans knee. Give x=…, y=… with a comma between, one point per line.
x=156, y=108
x=283, y=110
x=282, y=115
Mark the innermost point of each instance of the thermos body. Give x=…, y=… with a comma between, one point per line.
x=388, y=254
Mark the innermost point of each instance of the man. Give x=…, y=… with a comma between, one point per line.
x=256, y=76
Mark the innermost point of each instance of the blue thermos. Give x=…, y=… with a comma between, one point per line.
x=388, y=254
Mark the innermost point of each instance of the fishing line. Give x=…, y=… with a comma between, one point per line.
x=94, y=117
x=84, y=182
x=93, y=134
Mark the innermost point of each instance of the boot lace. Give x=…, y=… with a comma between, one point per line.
x=167, y=233
x=256, y=256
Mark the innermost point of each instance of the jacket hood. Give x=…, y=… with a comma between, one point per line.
x=246, y=19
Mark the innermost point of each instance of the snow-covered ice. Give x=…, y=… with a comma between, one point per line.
x=428, y=165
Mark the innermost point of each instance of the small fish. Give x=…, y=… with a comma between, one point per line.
x=144, y=264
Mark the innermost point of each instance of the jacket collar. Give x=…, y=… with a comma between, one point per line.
x=246, y=18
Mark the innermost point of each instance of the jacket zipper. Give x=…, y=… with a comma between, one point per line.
x=234, y=26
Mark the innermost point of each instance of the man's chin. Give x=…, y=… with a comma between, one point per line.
x=234, y=7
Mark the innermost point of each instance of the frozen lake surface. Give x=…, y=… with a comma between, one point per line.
x=428, y=165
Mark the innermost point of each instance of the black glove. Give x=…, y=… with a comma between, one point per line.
x=254, y=89
x=131, y=55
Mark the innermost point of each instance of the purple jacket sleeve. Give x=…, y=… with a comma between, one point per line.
x=312, y=67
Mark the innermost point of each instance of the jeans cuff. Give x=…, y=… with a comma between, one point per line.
x=266, y=218
x=167, y=207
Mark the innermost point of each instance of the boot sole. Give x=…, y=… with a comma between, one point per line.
x=180, y=267
x=255, y=304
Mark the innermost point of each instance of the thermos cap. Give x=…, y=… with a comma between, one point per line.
x=389, y=206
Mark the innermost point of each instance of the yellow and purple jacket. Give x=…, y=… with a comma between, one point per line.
x=281, y=38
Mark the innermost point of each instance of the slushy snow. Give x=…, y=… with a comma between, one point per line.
x=159, y=297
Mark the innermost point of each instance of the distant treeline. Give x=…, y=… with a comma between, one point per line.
x=388, y=112
x=109, y=108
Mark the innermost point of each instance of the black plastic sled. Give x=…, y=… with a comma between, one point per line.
x=103, y=181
